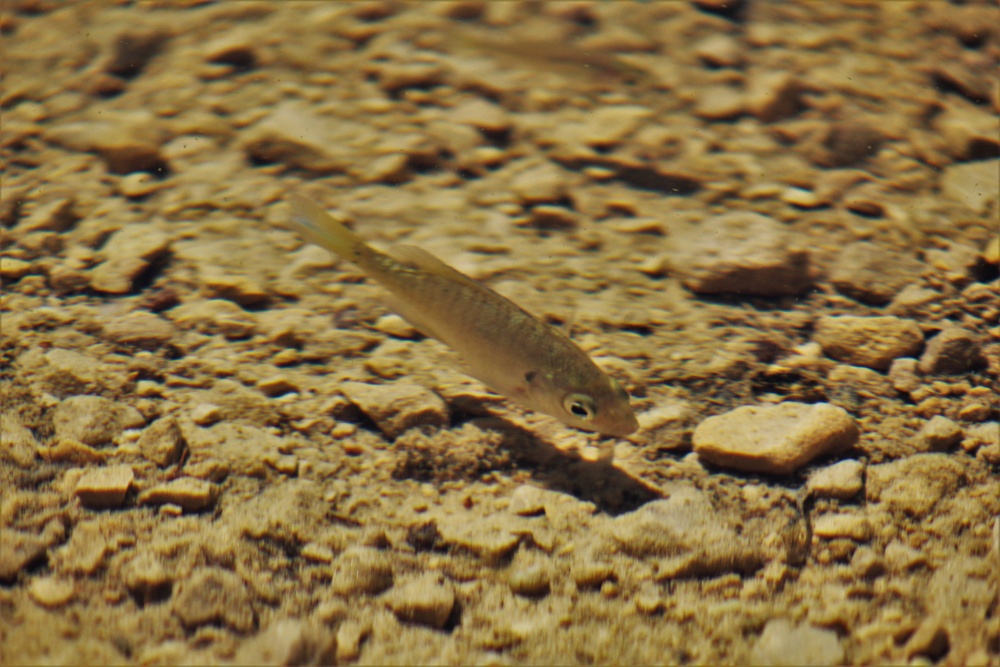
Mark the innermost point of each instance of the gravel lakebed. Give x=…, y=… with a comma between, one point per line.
x=776, y=224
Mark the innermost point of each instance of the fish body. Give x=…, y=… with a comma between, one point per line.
x=508, y=349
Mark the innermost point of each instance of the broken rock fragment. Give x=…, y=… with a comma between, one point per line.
x=398, y=406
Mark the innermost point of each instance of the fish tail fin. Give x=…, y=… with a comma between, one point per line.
x=317, y=226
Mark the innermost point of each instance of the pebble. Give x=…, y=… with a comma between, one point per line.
x=903, y=375
x=774, y=439
x=741, y=253
x=138, y=184
x=12, y=268
x=802, y=198
x=295, y=135
x=361, y=571
x=289, y=642
x=849, y=384
x=189, y=493
x=140, y=329
x=484, y=538
x=51, y=592
x=782, y=643
x=991, y=251
x=694, y=537
x=242, y=290
x=215, y=316
x=545, y=216
x=395, y=326
x=482, y=115
x=953, y=351
x=940, y=434
x=94, y=420
x=206, y=414
x=854, y=527
x=146, y=578
x=529, y=580
x=912, y=300
x=609, y=125
x=397, y=406
x=972, y=184
x=128, y=141
x=277, y=385
x=847, y=143
x=162, y=442
x=914, y=485
x=873, y=274
x=592, y=575
x=873, y=342
x=57, y=215
x=720, y=50
x=842, y=480
x=104, y=488
x=426, y=600
x=212, y=595
x=773, y=96
x=21, y=549
x=18, y=443
x=350, y=636
x=127, y=254
x=717, y=103
x=543, y=183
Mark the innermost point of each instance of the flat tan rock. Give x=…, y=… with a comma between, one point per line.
x=105, y=488
x=397, y=406
x=775, y=439
x=193, y=495
x=874, y=342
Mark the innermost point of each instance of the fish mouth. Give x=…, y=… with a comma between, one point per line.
x=621, y=427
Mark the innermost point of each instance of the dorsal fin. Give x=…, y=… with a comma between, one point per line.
x=410, y=254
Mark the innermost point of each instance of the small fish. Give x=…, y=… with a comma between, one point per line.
x=508, y=349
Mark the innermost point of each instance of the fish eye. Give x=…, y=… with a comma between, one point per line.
x=580, y=406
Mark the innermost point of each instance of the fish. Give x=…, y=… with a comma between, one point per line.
x=511, y=351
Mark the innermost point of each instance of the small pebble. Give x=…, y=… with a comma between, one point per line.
x=277, y=385
x=206, y=414
x=842, y=480
x=189, y=493
x=51, y=592
x=531, y=580
x=591, y=575
x=851, y=526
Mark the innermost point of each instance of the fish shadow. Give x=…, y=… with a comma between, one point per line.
x=612, y=490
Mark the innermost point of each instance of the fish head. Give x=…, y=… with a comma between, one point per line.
x=600, y=406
